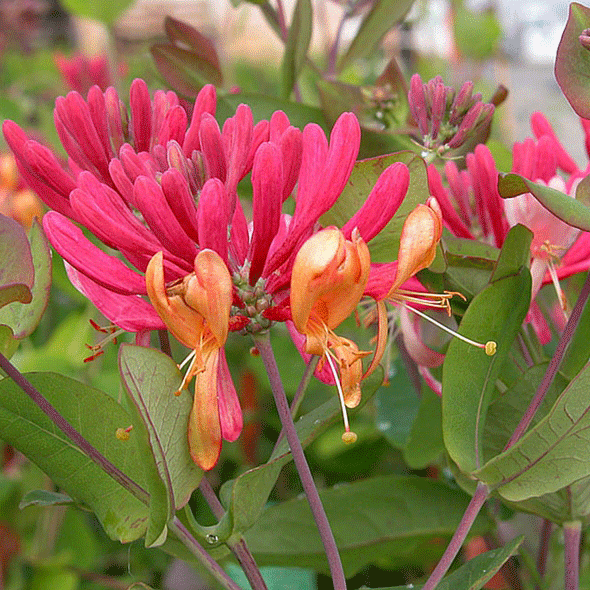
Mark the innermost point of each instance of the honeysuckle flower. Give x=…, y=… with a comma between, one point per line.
x=329, y=277
x=196, y=310
x=158, y=187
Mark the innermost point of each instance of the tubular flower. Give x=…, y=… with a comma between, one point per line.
x=159, y=188
x=329, y=277
x=196, y=310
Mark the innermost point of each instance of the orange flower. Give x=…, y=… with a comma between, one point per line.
x=328, y=280
x=196, y=310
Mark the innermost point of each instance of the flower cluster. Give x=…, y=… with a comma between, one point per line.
x=445, y=119
x=160, y=187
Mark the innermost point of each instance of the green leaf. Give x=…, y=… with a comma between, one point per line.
x=572, y=63
x=425, y=443
x=151, y=378
x=469, y=375
x=44, y=498
x=515, y=253
x=8, y=343
x=382, y=17
x=264, y=106
x=17, y=272
x=569, y=210
x=371, y=519
x=106, y=12
x=551, y=455
x=364, y=175
x=505, y=412
x=397, y=406
x=246, y=496
x=297, y=45
x=96, y=416
x=24, y=318
x=476, y=572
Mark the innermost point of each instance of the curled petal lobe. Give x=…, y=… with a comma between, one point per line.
x=328, y=280
x=421, y=233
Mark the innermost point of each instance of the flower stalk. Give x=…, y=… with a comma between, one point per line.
x=263, y=344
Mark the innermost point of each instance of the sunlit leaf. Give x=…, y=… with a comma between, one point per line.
x=572, y=63
x=106, y=12
x=44, y=498
x=572, y=211
x=151, y=378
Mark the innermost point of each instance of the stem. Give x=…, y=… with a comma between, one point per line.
x=72, y=433
x=572, y=532
x=244, y=556
x=266, y=353
x=543, y=549
x=478, y=500
x=298, y=397
x=165, y=342
x=201, y=554
x=239, y=548
x=554, y=363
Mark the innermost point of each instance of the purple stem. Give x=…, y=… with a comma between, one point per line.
x=334, y=49
x=572, y=532
x=298, y=397
x=201, y=554
x=239, y=548
x=554, y=363
x=478, y=500
x=266, y=353
x=543, y=548
x=72, y=433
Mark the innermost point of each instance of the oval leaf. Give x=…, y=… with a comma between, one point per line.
x=96, y=416
x=569, y=210
x=469, y=375
x=371, y=519
x=550, y=456
x=151, y=378
x=16, y=271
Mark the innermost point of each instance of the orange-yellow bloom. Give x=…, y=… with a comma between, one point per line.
x=196, y=310
x=329, y=276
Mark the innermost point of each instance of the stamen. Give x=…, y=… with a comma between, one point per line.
x=434, y=300
x=489, y=346
x=348, y=436
x=98, y=349
x=558, y=290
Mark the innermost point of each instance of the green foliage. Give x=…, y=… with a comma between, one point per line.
x=477, y=34
x=402, y=511
x=572, y=211
x=96, y=416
